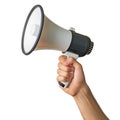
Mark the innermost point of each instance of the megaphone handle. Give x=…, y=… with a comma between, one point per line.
x=73, y=55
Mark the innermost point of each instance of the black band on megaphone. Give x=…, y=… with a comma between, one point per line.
x=80, y=44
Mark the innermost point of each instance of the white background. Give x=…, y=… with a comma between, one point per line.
x=28, y=87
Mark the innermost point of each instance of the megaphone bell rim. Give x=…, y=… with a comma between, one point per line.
x=40, y=31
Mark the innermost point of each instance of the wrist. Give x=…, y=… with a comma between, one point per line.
x=84, y=91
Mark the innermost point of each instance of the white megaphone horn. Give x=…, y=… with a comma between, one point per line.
x=41, y=33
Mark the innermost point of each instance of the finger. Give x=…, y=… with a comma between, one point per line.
x=67, y=75
x=66, y=60
x=70, y=61
x=62, y=58
x=65, y=68
x=62, y=79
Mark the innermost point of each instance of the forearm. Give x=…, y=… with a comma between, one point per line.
x=88, y=106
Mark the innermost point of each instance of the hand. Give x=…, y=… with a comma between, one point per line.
x=69, y=70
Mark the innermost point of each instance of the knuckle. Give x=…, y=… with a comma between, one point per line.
x=57, y=71
x=62, y=79
x=71, y=59
x=62, y=58
x=58, y=65
x=66, y=69
x=67, y=74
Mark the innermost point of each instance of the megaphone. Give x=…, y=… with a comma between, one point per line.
x=41, y=33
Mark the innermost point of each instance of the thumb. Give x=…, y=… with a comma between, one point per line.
x=70, y=61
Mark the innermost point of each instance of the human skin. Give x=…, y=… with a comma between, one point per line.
x=69, y=70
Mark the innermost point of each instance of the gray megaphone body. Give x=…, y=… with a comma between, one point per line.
x=41, y=33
